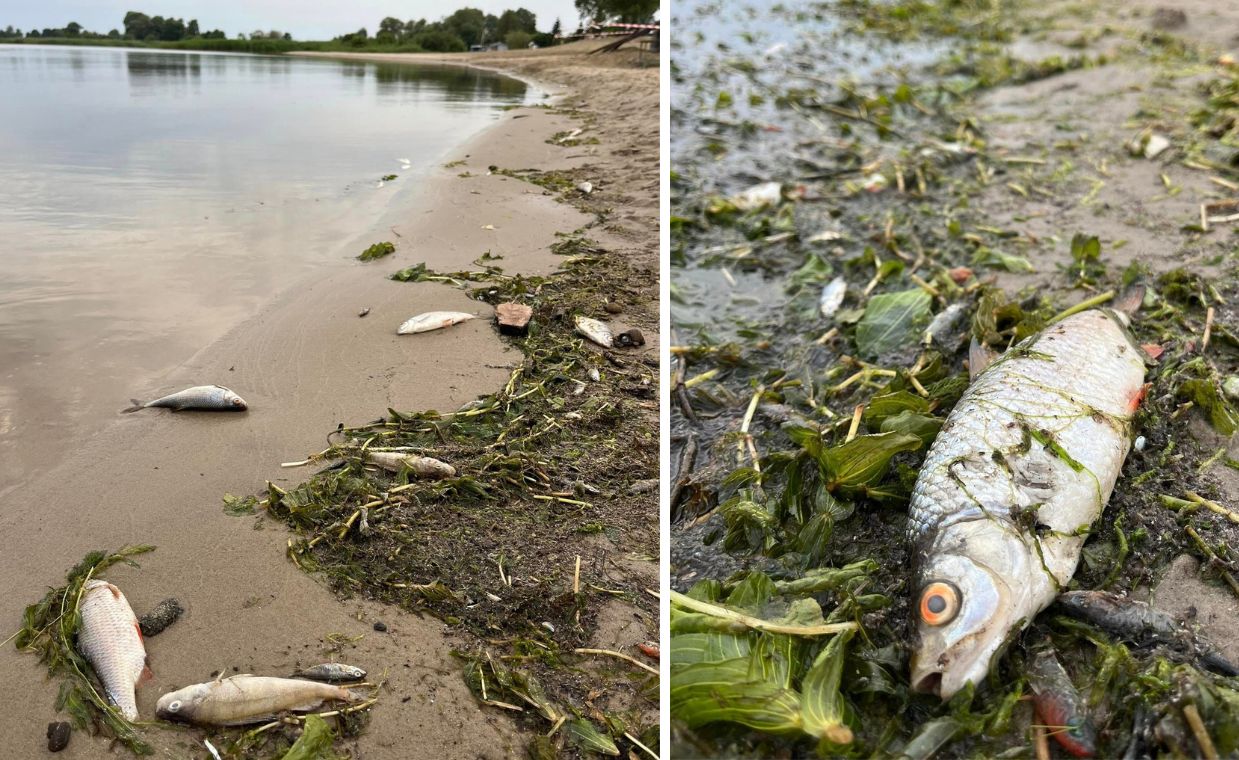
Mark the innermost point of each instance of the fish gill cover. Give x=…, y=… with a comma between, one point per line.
x=884, y=143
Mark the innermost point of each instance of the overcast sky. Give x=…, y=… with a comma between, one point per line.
x=305, y=19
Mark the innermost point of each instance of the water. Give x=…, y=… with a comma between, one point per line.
x=151, y=200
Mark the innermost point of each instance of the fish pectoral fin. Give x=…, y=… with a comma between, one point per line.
x=980, y=356
x=147, y=674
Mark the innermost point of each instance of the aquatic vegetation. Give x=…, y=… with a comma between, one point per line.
x=377, y=251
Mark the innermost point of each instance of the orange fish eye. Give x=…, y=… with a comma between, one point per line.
x=939, y=603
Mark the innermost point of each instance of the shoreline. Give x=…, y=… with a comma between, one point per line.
x=305, y=362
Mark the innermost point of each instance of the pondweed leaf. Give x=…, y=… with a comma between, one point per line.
x=588, y=738
x=314, y=743
x=822, y=707
x=863, y=460
x=892, y=321
x=920, y=425
x=710, y=692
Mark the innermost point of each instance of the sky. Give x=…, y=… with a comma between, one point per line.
x=305, y=19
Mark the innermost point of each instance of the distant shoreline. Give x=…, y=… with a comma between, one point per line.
x=263, y=46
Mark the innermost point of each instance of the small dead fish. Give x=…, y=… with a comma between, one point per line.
x=944, y=324
x=1060, y=706
x=422, y=467
x=432, y=320
x=364, y=312
x=244, y=699
x=109, y=639
x=1140, y=623
x=596, y=331
x=331, y=672
x=211, y=397
x=832, y=297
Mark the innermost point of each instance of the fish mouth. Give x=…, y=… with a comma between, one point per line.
x=930, y=683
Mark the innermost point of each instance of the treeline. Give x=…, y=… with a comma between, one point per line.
x=465, y=29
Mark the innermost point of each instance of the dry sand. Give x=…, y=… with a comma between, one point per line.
x=305, y=363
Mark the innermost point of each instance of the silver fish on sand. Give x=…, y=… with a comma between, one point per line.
x=211, y=397
x=432, y=320
x=331, y=672
x=596, y=331
x=110, y=641
x=832, y=297
x=1024, y=464
x=422, y=467
x=245, y=699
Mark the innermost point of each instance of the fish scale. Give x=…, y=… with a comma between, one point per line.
x=1026, y=462
x=110, y=640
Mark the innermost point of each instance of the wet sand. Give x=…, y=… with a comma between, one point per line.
x=305, y=363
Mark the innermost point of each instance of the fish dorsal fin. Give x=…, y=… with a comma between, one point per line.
x=980, y=356
x=116, y=594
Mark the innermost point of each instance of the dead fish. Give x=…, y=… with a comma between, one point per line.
x=1140, y=623
x=832, y=297
x=596, y=331
x=422, y=467
x=1059, y=704
x=943, y=326
x=244, y=699
x=110, y=640
x=432, y=320
x=211, y=397
x=331, y=672
x=1022, y=467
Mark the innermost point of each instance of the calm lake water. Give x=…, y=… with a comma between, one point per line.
x=150, y=201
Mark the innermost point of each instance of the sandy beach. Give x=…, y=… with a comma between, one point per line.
x=306, y=363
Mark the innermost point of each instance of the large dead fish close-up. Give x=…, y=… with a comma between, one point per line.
x=110, y=641
x=1021, y=469
x=208, y=397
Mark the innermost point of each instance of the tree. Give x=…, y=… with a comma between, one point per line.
x=621, y=11
x=192, y=29
x=73, y=29
x=517, y=40
x=137, y=25
x=114, y=34
x=519, y=20
x=390, y=30
x=468, y=24
x=556, y=29
x=439, y=41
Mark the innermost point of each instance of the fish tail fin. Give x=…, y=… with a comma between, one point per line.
x=137, y=406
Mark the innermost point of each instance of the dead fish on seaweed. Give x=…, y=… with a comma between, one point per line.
x=244, y=699
x=331, y=672
x=1140, y=623
x=596, y=331
x=1022, y=467
x=432, y=320
x=210, y=397
x=832, y=297
x=1059, y=704
x=110, y=641
x=422, y=467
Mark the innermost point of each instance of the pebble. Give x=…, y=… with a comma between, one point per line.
x=612, y=307
x=58, y=733
x=380, y=626
x=160, y=617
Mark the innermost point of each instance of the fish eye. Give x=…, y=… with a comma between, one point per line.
x=939, y=603
x=174, y=706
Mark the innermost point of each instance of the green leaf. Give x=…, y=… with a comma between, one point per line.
x=892, y=321
x=692, y=648
x=821, y=704
x=724, y=692
x=1205, y=394
x=889, y=404
x=588, y=738
x=863, y=460
x=992, y=258
x=314, y=743
x=920, y=425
